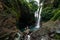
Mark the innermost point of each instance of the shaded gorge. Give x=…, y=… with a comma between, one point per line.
x=26, y=16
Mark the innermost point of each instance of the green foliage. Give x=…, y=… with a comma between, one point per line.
x=56, y=15
x=15, y=7
x=47, y=14
x=12, y=7
x=57, y=36
x=33, y=6
x=51, y=12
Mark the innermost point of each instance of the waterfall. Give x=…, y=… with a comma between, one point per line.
x=38, y=14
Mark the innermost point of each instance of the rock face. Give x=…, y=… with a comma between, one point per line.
x=42, y=34
x=47, y=31
x=8, y=28
x=39, y=34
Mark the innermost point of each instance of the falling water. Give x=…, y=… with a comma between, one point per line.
x=38, y=14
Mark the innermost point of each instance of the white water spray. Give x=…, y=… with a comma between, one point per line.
x=28, y=37
x=18, y=38
x=38, y=14
x=43, y=38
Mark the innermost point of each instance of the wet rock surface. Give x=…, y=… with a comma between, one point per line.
x=47, y=32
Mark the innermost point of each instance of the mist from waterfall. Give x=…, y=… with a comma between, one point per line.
x=38, y=14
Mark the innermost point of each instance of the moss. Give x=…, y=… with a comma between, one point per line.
x=57, y=36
